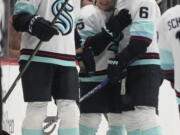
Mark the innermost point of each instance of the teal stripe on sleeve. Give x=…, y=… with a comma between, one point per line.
x=50, y=60
x=21, y=7
x=166, y=58
x=142, y=28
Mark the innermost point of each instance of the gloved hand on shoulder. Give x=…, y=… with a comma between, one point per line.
x=118, y=22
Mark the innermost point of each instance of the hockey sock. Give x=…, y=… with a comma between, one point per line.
x=116, y=130
x=68, y=113
x=35, y=115
x=89, y=123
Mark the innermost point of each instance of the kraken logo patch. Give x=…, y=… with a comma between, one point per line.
x=50, y=124
x=65, y=21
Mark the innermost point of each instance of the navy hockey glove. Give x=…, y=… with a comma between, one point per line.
x=88, y=60
x=98, y=42
x=114, y=44
x=118, y=22
x=115, y=71
x=101, y=40
x=41, y=28
x=77, y=39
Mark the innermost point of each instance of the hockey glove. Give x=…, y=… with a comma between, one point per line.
x=115, y=71
x=118, y=22
x=88, y=60
x=114, y=44
x=100, y=41
x=41, y=28
x=77, y=39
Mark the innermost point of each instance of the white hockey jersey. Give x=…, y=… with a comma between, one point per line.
x=92, y=20
x=169, y=42
x=60, y=49
x=145, y=14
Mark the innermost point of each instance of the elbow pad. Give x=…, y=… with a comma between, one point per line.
x=21, y=22
x=137, y=47
x=98, y=42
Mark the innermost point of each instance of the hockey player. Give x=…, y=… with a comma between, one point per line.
x=52, y=72
x=141, y=58
x=169, y=44
x=99, y=42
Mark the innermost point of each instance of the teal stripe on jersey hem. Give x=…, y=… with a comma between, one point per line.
x=178, y=100
x=69, y=131
x=93, y=78
x=166, y=56
x=167, y=66
x=142, y=26
x=84, y=130
x=167, y=61
x=49, y=60
x=146, y=62
x=24, y=8
x=152, y=131
x=32, y=132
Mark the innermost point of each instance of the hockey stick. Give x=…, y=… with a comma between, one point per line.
x=94, y=90
x=98, y=88
x=31, y=57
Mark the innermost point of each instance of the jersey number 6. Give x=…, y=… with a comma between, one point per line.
x=143, y=12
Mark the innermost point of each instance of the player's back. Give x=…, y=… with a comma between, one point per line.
x=169, y=41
